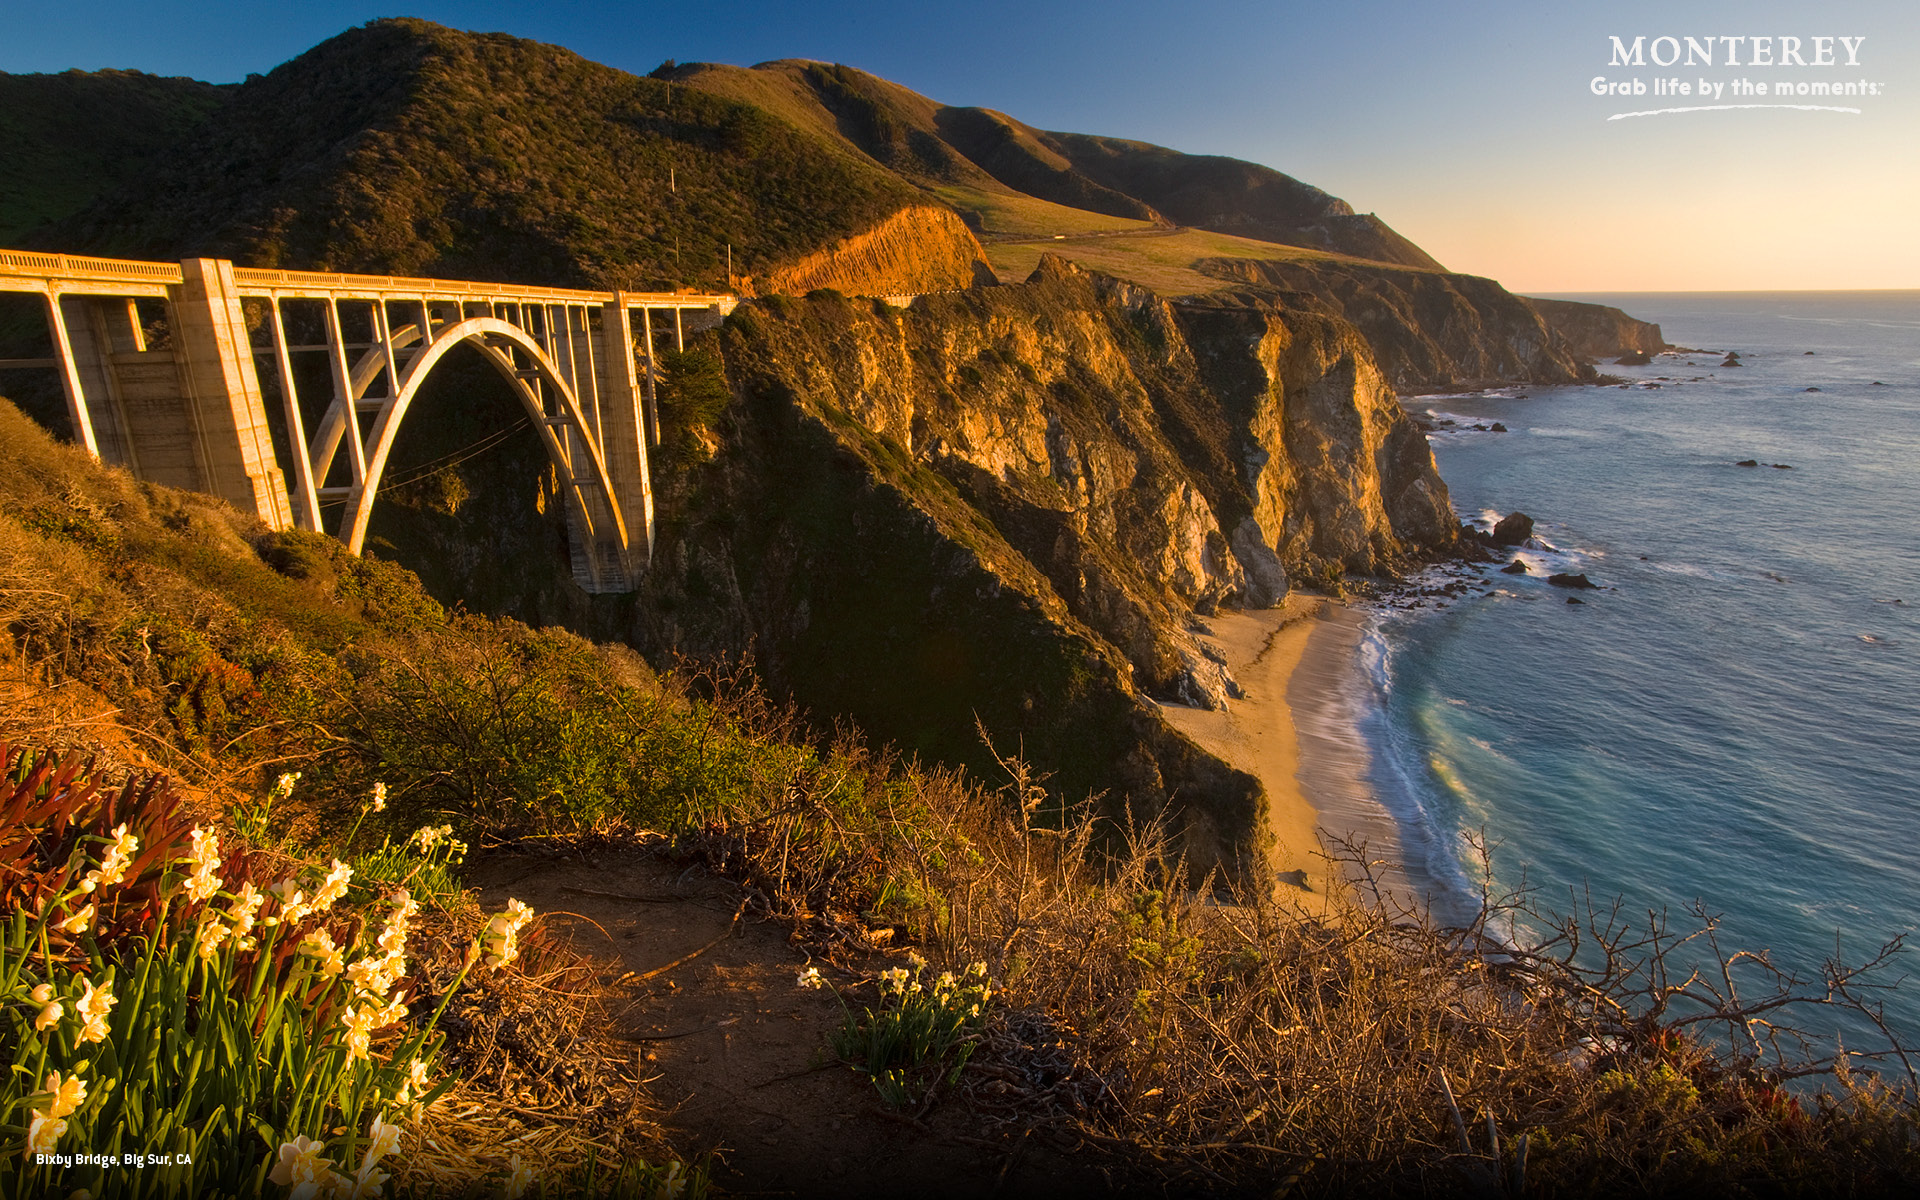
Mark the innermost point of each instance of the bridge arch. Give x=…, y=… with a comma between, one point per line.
x=593, y=510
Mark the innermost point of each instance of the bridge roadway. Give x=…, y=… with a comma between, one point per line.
x=161, y=366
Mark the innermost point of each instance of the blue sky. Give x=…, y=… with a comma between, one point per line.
x=1469, y=126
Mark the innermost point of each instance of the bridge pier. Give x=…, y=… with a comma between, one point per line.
x=626, y=418
x=188, y=416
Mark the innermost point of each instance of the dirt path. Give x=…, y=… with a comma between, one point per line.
x=739, y=1055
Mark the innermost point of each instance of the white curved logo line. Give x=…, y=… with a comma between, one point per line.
x=1654, y=112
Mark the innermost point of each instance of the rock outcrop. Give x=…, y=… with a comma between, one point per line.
x=1010, y=503
x=918, y=249
x=1430, y=330
x=1596, y=331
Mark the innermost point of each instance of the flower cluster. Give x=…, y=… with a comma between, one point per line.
x=373, y=978
x=426, y=837
x=379, y=801
x=301, y=1166
x=283, y=787
x=204, y=882
x=415, y=1085
x=94, y=1005
x=499, y=940
x=49, y=1123
x=113, y=867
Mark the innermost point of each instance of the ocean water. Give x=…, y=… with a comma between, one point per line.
x=1733, y=720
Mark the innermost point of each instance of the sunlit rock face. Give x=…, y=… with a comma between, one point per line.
x=1015, y=503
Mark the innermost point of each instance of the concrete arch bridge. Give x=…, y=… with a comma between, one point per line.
x=187, y=408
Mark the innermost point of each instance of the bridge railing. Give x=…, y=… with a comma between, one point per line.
x=26, y=262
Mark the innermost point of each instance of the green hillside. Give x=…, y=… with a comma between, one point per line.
x=66, y=139
x=407, y=147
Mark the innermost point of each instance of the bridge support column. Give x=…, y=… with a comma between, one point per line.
x=623, y=432
x=222, y=392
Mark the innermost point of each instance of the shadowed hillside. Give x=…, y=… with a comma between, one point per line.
x=66, y=138
x=405, y=147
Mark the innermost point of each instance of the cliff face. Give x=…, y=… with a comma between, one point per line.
x=1598, y=330
x=1430, y=331
x=1012, y=502
x=918, y=249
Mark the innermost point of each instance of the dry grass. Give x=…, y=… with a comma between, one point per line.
x=538, y=1078
x=1161, y=261
x=1007, y=213
x=1208, y=1037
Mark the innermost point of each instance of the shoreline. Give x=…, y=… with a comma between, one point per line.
x=1296, y=730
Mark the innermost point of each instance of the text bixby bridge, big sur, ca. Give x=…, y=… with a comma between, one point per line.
x=160, y=363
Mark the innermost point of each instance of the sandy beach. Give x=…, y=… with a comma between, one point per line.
x=1295, y=731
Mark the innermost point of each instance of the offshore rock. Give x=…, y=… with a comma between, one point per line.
x=1513, y=530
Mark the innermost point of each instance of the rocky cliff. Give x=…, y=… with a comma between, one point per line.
x=1597, y=331
x=1430, y=330
x=1014, y=503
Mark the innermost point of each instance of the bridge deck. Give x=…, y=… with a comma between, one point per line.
x=72, y=274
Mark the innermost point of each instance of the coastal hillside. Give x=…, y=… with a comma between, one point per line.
x=66, y=139
x=975, y=154
x=870, y=502
x=405, y=147
x=721, y=907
